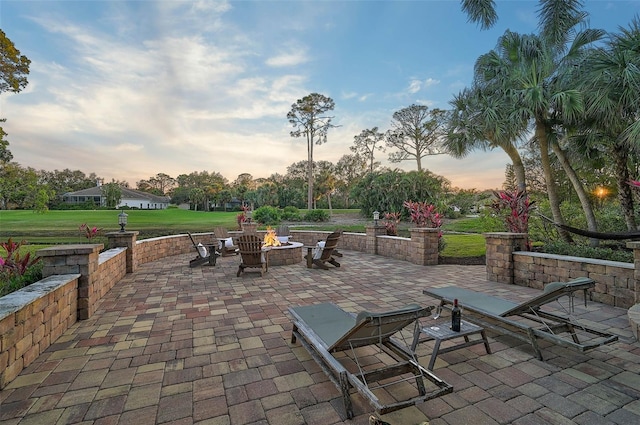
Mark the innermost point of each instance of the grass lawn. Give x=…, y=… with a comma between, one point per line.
x=60, y=227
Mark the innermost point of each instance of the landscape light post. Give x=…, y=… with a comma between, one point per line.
x=122, y=220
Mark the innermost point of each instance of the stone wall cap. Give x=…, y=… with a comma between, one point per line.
x=73, y=249
x=587, y=260
x=505, y=235
x=15, y=301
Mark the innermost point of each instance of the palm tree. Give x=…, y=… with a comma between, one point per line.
x=611, y=80
x=481, y=121
x=527, y=69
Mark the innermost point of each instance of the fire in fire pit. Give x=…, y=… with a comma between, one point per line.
x=270, y=238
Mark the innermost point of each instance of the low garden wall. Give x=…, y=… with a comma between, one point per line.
x=617, y=283
x=32, y=318
x=78, y=276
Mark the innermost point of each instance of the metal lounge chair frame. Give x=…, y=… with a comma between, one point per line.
x=222, y=234
x=325, y=329
x=527, y=321
x=328, y=251
x=252, y=255
x=209, y=257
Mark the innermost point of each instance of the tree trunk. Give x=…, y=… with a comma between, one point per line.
x=518, y=166
x=579, y=188
x=625, y=194
x=310, y=172
x=552, y=193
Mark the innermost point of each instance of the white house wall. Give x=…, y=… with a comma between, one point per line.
x=141, y=204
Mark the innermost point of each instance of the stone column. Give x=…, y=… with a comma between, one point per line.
x=424, y=246
x=500, y=246
x=128, y=240
x=249, y=228
x=373, y=231
x=636, y=269
x=69, y=259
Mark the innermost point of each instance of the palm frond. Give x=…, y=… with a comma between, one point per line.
x=482, y=12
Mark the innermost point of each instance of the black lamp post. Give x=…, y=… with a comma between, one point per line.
x=122, y=220
x=376, y=217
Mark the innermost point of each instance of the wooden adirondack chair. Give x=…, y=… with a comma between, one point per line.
x=323, y=252
x=227, y=245
x=252, y=255
x=207, y=254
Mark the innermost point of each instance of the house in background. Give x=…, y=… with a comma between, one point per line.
x=130, y=198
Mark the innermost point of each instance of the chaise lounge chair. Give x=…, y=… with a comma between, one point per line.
x=207, y=254
x=342, y=345
x=324, y=252
x=527, y=321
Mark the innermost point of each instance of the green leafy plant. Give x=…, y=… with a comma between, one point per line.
x=316, y=215
x=291, y=213
x=267, y=215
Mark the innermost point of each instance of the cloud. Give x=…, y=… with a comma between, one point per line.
x=291, y=58
x=416, y=85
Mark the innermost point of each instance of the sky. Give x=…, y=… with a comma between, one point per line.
x=130, y=89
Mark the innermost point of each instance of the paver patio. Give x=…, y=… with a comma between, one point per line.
x=171, y=344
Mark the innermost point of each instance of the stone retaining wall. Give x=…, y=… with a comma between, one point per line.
x=616, y=282
x=32, y=318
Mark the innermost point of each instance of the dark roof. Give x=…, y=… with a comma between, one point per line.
x=126, y=194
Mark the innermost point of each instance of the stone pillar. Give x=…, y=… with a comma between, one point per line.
x=128, y=240
x=424, y=246
x=500, y=246
x=373, y=231
x=250, y=228
x=70, y=259
x=636, y=269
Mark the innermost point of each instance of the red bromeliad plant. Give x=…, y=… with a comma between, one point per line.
x=242, y=216
x=88, y=231
x=14, y=263
x=423, y=214
x=391, y=221
x=518, y=207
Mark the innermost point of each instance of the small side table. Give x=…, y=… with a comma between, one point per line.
x=442, y=332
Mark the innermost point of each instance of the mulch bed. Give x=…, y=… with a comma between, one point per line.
x=467, y=261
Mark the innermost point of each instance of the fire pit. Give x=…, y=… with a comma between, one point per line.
x=285, y=255
x=281, y=254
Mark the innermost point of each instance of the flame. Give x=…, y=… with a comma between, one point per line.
x=270, y=238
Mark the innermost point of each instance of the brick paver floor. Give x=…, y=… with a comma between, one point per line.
x=170, y=344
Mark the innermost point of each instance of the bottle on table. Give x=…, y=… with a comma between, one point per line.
x=456, y=316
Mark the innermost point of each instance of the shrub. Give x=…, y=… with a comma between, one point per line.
x=291, y=213
x=585, y=251
x=267, y=215
x=316, y=215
